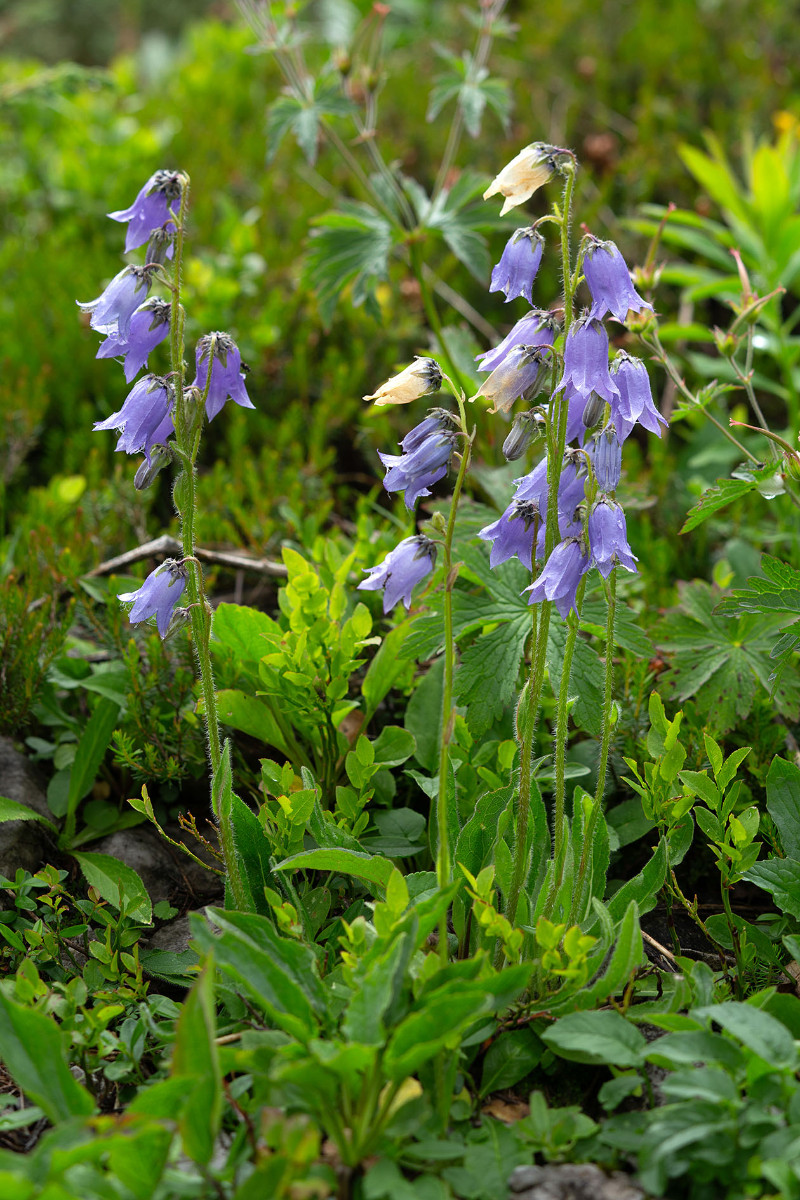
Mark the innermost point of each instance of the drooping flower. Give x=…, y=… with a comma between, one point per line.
x=145, y=419
x=149, y=326
x=227, y=373
x=419, y=378
x=609, y=281
x=519, y=263
x=606, y=455
x=635, y=403
x=586, y=361
x=561, y=575
x=536, y=328
x=152, y=208
x=427, y=449
x=158, y=595
x=522, y=369
x=608, y=538
x=521, y=177
x=528, y=427
x=401, y=570
x=113, y=308
x=512, y=534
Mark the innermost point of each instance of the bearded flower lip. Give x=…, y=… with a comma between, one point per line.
x=152, y=207
x=635, y=404
x=158, y=595
x=537, y=328
x=586, y=361
x=520, y=178
x=520, y=373
x=149, y=326
x=519, y=264
x=114, y=307
x=227, y=373
x=608, y=538
x=512, y=534
x=561, y=575
x=609, y=281
x=401, y=570
x=145, y=418
x=419, y=378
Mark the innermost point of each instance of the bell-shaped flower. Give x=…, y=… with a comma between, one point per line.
x=158, y=595
x=522, y=372
x=227, y=373
x=635, y=402
x=520, y=178
x=401, y=570
x=145, y=419
x=608, y=538
x=513, y=533
x=152, y=208
x=586, y=361
x=536, y=328
x=149, y=326
x=427, y=450
x=606, y=455
x=419, y=378
x=609, y=281
x=561, y=575
x=519, y=263
x=113, y=308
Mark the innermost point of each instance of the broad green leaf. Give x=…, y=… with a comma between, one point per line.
x=401, y=832
x=195, y=1059
x=690, y=1046
x=477, y=838
x=138, y=1158
x=349, y=247
x=385, y=668
x=278, y=974
x=377, y=983
x=783, y=803
x=12, y=810
x=117, y=884
x=486, y=680
x=32, y=1048
x=253, y=850
x=643, y=888
x=89, y=755
x=781, y=878
x=586, y=678
x=757, y=1030
x=369, y=867
x=423, y=717
x=601, y=1037
x=252, y=715
x=393, y=746
x=509, y=1059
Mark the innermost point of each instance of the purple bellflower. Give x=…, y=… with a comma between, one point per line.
x=148, y=327
x=519, y=263
x=158, y=595
x=536, y=328
x=608, y=538
x=522, y=369
x=145, y=419
x=427, y=449
x=151, y=209
x=113, y=308
x=512, y=534
x=609, y=281
x=561, y=575
x=635, y=404
x=401, y=570
x=227, y=378
x=606, y=455
x=586, y=362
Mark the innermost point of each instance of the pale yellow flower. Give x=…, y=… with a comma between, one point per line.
x=520, y=178
x=418, y=379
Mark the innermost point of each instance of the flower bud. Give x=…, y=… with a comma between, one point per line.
x=527, y=428
x=593, y=411
x=160, y=245
x=160, y=457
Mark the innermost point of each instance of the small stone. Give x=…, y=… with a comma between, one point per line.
x=572, y=1181
x=26, y=844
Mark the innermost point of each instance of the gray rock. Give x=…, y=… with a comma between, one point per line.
x=26, y=844
x=174, y=936
x=572, y=1181
x=166, y=872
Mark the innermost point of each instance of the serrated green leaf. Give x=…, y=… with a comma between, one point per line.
x=486, y=679
x=349, y=247
x=586, y=679
x=723, y=493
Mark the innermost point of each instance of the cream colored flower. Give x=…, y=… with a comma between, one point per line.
x=520, y=178
x=418, y=379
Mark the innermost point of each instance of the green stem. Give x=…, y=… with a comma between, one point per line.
x=735, y=941
x=561, y=731
x=443, y=863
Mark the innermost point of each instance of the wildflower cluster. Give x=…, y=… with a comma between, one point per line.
x=160, y=418
x=603, y=404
